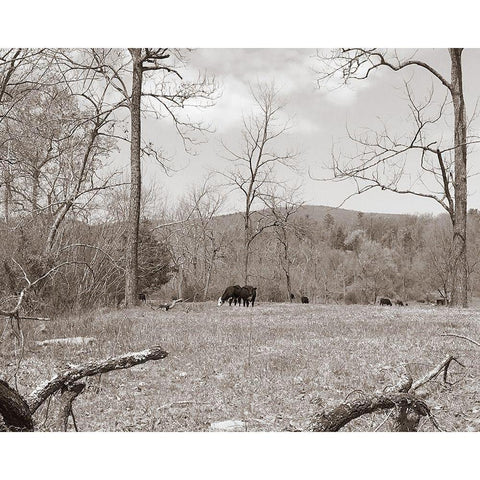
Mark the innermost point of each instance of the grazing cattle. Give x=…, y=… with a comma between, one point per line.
x=142, y=297
x=232, y=294
x=441, y=301
x=386, y=301
x=305, y=299
x=399, y=303
x=248, y=295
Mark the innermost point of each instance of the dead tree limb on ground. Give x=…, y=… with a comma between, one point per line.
x=14, y=410
x=128, y=360
x=346, y=412
x=167, y=306
x=461, y=336
x=409, y=407
x=69, y=393
x=435, y=371
x=17, y=412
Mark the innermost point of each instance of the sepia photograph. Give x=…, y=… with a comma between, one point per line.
x=280, y=239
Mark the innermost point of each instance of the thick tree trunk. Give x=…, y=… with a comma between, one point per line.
x=14, y=410
x=337, y=418
x=460, y=270
x=131, y=267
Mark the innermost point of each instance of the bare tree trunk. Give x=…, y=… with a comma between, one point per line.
x=131, y=267
x=246, y=257
x=289, y=285
x=460, y=271
x=209, y=275
x=35, y=189
x=7, y=193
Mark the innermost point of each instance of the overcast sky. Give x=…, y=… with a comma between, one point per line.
x=320, y=117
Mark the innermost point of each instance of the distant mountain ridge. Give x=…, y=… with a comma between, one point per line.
x=341, y=216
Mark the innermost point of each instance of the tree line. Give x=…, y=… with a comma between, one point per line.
x=66, y=210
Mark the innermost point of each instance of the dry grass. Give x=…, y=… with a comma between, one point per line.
x=272, y=366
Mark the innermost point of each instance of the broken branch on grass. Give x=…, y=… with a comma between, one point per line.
x=434, y=372
x=167, y=306
x=346, y=412
x=17, y=412
x=409, y=407
x=460, y=336
x=42, y=392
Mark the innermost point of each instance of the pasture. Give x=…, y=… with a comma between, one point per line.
x=271, y=367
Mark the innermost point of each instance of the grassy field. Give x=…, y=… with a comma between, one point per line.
x=272, y=366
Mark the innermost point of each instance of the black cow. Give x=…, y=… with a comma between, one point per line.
x=142, y=297
x=399, y=303
x=441, y=301
x=305, y=299
x=386, y=301
x=232, y=294
x=292, y=297
x=248, y=295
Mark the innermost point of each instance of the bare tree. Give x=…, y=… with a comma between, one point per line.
x=381, y=161
x=282, y=206
x=254, y=165
x=156, y=78
x=195, y=240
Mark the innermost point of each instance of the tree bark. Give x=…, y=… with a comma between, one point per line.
x=43, y=391
x=246, y=242
x=66, y=400
x=131, y=268
x=14, y=410
x=460, y=270
x=346, y=412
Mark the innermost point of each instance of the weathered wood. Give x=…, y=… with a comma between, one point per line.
x=14, y=410
x=433, y=373
x=66, y=341
x=167, y=306
x=69, y=393
x=348, y=411
x=461, y=336
x=73, y=374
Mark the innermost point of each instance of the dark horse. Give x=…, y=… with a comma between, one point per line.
x=248, y=295
x=232, y=294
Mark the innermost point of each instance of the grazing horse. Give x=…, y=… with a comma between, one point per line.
x=248, y=295
x=232, y=294
x=386, y=301
x=305, y=299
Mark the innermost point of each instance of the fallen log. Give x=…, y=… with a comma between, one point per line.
x=346, y=412
x=73, y=374
x=66, y=341
x=409, y=408
x=166, y=306
x=17, y=411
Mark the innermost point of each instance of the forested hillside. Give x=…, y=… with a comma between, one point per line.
x=330, y=255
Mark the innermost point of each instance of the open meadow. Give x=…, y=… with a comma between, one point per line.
x=272, y=366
